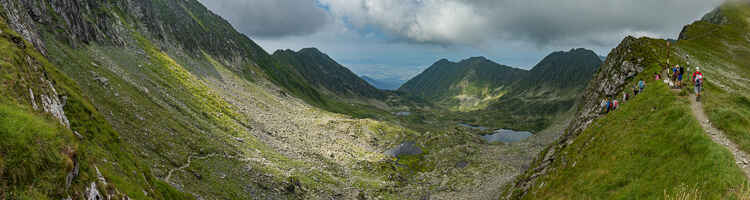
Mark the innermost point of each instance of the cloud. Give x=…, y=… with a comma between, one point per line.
x=271, y=18
x=540, y=22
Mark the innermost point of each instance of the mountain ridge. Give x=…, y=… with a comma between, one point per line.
x=321, y=70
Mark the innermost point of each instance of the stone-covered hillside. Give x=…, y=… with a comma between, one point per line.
x=166, y=100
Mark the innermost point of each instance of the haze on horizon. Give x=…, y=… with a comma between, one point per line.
x=400, y=38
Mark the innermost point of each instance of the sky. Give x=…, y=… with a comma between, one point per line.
x=400, y=38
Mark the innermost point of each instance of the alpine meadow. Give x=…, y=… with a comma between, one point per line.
x=374, y=99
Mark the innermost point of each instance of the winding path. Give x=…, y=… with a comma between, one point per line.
x=741, y=158
x=189, y=160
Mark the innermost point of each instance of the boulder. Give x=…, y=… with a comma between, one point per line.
x=406, y=149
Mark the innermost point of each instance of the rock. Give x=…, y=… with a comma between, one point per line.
x=53, y=105
x=462, y=164
x=78, y=135
x=102, y=81
x=33, y=100
x=406, y=149
x=72, y=174
x=92, y=193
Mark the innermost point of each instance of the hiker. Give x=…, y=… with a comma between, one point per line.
x=680, y=71
x=641, y=85
x=698, y=81
x=624, y=96
x=604, y=105
x=674, y=74
x=635, y=90
x=657, y=76
x=609, y=105
x=616, y=104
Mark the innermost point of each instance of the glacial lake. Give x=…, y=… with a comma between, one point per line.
x=507, y=136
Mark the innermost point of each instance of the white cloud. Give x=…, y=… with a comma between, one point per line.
x=542, y=22
x=271, y=18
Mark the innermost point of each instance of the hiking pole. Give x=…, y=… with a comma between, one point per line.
x=668, y=54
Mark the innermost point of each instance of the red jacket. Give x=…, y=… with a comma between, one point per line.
x=695, y=74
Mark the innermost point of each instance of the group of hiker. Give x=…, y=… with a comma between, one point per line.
x=678, y=74
x=675, y=74
x=610, y=104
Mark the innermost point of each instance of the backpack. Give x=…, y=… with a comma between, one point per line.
x=699, y=78
x=641, y=84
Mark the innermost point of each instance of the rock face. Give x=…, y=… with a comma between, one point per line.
x=404, y=149
x=621, y=66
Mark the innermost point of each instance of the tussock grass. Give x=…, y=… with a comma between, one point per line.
x=651, y=144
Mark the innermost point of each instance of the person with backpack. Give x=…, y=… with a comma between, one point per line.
x=641, y=85
x=698, y=81
x=680, y=72
x=625, y=96
x=615, y=104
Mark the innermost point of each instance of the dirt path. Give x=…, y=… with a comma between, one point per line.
x=189, y=160
x=740, y=157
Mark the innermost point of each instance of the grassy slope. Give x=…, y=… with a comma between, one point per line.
x=651, y=148
x=36, y=153
x=647, y=148
x=723, y=53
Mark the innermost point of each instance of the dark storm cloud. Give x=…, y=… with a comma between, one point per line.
x=541, y=22
x=271, y=18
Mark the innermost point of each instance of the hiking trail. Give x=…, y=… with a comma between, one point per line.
x=741, y=158
x=189, y=160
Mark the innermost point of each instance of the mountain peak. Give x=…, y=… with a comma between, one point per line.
x=310, y=50
x=282, y=51
x=477, y=59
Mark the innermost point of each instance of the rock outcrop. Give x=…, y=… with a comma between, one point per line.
x=404, y=149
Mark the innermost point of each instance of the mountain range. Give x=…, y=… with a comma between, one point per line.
x=475, y=83
x=163, y=99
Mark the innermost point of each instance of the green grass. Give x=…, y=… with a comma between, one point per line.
x=648, y=147
x=33, y=144
x=32, y=153
x=722, y=49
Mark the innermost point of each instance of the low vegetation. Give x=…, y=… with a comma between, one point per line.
x=648, y=146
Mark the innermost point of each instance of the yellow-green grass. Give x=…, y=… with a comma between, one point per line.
x=652, y=144
x=33, y=143
x=723, y=53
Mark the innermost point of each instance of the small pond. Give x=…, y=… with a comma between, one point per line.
x=506, y=136
x=404, y=113
x=481, y=128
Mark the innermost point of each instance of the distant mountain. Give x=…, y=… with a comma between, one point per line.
x=384, y=84
x=562, y=70
x=465, y=85
x=326, y=74
x=475, y=83
x=487, y=90
x=552, y=87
